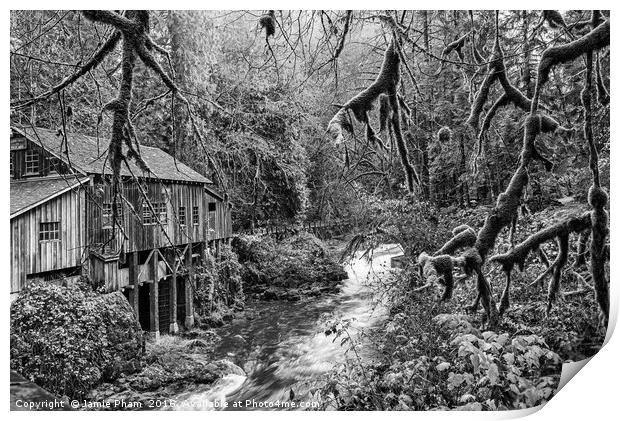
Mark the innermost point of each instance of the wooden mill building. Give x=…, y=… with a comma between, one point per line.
x=63, y=225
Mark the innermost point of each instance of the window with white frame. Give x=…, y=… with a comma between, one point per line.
x=150, y=218
x=195, y=215
x=107, y=220
x=147, y=216
x=161, y=211
x=49, y=231
x=182, y=217
x=32, y=162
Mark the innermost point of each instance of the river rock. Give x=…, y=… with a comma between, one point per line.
x=238, y=339
x=168, y=374
x=293, y=295
x=213, y=320
x=271, y=294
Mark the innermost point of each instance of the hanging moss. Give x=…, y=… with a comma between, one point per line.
x=518, y=254
x=361, y=104
x=457, y=46
x=385, y=83
x=554, y=19
x=558, y=265
x=464, y=238
x=594, y=40
x=438, y=269
x=384, y=112
x=268, y=22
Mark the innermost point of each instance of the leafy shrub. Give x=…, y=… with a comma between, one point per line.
x=497, y=370
x=468, y=370
x=218, y=283
x=301, y=259
x=68, y=340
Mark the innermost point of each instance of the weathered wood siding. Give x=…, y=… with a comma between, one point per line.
x=219, y=221
x=47, y=163
x=29, y=255
x=114, y=277
x=136, y=235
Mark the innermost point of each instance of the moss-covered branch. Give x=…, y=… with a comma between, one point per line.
x=386, y=83
x=101, y=53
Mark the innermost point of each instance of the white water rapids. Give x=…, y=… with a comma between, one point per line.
x=284, y=348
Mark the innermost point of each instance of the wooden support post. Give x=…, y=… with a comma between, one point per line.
x=134, y=294
x=154, y=297
x=189, y=289
x=174, y=326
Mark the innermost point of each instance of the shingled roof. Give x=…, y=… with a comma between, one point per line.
x=88, y=155
x=27, y=193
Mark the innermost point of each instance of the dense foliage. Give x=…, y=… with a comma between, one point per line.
x=218, y=286
x=428, y=355
x=487, y=121
x=297, y=262
x=263, y=110
x=69, y=340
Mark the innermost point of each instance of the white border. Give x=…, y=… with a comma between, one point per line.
x=591, y=395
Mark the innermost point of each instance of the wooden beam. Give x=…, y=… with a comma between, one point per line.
x=184, y=253
x=163, y=258
x=174, y=326
x=189, y=288
x=133, y=279
x=145, y=265
x=154, y=297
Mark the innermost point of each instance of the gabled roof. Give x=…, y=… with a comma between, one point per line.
x=30, y=192
x=214, y=193
x=88, y=155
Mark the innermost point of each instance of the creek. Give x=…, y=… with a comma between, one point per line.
x=282, y=345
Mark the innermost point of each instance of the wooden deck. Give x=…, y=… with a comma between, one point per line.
x=322, y=229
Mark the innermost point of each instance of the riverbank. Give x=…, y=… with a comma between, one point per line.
x=202, y=366
x=242, y=330
x=292, y=269
x=283, y=346
x=173, y=364
x=435, y=356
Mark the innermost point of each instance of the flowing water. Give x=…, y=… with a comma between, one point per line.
x=282, y=345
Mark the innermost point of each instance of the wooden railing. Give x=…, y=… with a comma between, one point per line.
x=322, y=229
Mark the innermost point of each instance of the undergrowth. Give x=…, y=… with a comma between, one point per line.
x=430, y=355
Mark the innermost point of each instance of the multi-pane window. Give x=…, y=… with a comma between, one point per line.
x=147, y=215
x=106, y=214
x=211, y=216
x=12, y=170
x=161, y=211
x=182, y=218
x=32, y=162
x=195, y=215
x=49, y=231
x=150, y=218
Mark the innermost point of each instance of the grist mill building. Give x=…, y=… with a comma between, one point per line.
x=62, y=223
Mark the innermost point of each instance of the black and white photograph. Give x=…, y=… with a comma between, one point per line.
x=306, y=210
